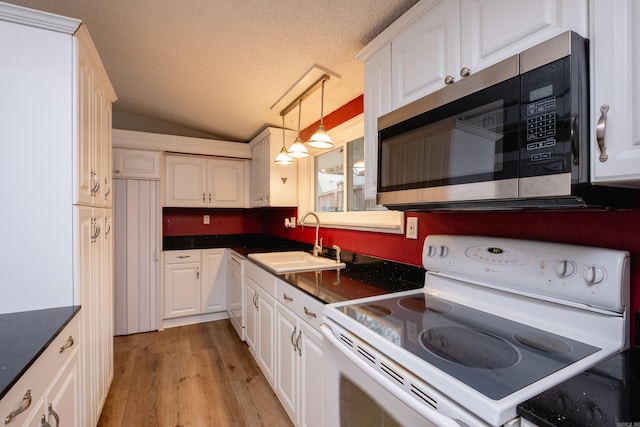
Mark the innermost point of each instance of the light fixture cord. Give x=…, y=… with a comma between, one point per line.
x=283, y=144
x=322, y=104
x=299, y=114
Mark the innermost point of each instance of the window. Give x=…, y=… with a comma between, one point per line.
x=332, y=185
x=337, y=185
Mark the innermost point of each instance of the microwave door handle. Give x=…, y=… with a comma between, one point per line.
x=573, y=140
x=431, y=415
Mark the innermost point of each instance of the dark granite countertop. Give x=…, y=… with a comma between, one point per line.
x=605, y=395
x=363, y=276
x=23, y=338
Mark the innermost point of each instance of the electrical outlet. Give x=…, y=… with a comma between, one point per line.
x=206, y=219
x=412, y=228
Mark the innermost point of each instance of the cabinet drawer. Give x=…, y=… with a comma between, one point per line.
x=266, y=280
x=177, y=257
x=303, y=305
x=41, y=374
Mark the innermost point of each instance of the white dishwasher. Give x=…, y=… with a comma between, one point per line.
x=235, y=288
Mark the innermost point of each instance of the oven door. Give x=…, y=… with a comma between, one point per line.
x=356, y=393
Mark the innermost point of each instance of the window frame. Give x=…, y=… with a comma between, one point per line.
x=385, y=221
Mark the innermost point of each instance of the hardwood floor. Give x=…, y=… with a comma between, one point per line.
x=196, y=375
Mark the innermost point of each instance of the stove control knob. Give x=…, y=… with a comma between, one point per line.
x=593, y=275
x=431, y=251
x=565, y=268
x=443, y=251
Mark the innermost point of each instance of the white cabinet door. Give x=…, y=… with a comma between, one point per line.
x=250, y=296
x=266, y=335
x=225, y=183
x=311, y=412
x=63, y=396
x=258, y=173
x=377, y=75
x=181, y=289
x=213, y=280
x=423, y=54
x=136, y=164
x=493, y=30
x=272, y=184
x=615, y=53
x=287, y=360
x=185, y=181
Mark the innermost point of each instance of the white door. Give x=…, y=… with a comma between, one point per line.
x=181, y=289
x=250, y=296
x=185, y=181
x=287, y=360
x=137, y=268
x=213, y=280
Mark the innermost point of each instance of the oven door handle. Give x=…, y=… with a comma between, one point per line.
x=430, y=414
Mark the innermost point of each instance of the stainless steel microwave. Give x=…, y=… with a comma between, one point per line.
x=512, y=136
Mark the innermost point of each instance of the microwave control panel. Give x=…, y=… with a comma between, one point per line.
x=541, y=129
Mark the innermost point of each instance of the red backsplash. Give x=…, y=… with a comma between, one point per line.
x=190, y=222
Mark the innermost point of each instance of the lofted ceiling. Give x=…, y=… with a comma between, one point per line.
x=215, y=68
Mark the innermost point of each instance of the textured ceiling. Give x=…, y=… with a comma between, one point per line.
x=217, y=66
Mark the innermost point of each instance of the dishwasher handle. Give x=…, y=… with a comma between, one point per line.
x=430, y=414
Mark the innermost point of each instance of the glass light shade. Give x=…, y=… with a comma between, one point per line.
x=320, y=139
x=283, y=157
x=298, y=149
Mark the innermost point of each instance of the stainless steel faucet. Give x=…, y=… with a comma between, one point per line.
x=317, y=248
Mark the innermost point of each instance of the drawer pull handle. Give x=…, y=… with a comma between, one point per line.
x=184, y=256
x=287, y=297
x=600, y=128
x=67, y=345
x=309, y=313
x=55, y=415
x=26, y=402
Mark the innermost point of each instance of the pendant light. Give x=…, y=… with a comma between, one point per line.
x=283, y=158
x=298, y=149
x=321, y=138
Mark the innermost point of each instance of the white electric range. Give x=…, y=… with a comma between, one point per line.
x=497, y=322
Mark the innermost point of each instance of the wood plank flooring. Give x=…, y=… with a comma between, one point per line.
x=196, y=375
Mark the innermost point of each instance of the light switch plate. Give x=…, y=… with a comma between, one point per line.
x=412, y=228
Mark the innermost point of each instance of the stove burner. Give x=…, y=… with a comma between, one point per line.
x=419, y=304
x=542, y=342
x=377, y=310
x=469, y=347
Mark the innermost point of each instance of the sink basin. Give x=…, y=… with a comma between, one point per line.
x=289, y=262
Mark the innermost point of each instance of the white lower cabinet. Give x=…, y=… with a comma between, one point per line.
x=181, y=283
x=282, y=331
x=194, y=282
x=299, y=355
x=52, y=385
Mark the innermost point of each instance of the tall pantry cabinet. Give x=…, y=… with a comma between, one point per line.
x=55, y=135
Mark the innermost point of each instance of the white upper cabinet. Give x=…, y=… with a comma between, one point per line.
x=136, y=164
x=192, y=181
x=493, y=30
x=425, y=53
x=615, y=102
x=272, y=184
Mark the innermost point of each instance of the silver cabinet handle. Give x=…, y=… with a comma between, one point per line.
x=449, y=79
x=26, y=402
x=298, y=344
x=107, y=188
x=184, y=256
x=96, y=183
x=255, y=299
x=197, y=272
x=43, y=422
x=600, y=128
x=67, y=345
x=465, y=71
x=309, y=313
x=204, y=200
x=287, y=297
x=55, y=415
x=293, y=337
x=107, y=228
x=209, y=197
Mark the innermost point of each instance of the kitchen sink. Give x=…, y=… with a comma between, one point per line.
x=293, y=261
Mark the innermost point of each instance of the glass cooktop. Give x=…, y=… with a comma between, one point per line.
x=494, y=355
